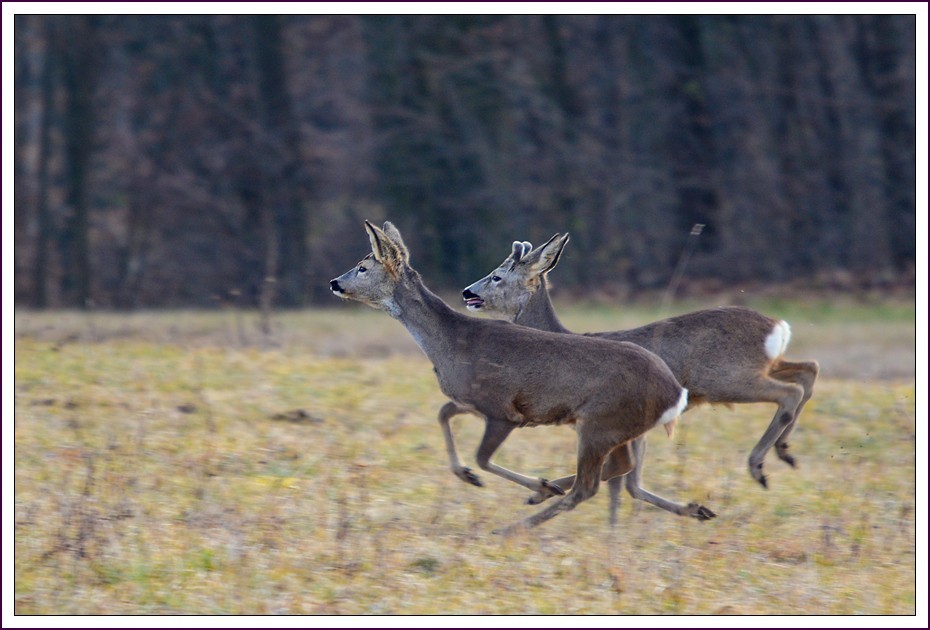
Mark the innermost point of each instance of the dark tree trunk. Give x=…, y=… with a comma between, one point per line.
x=879, y=47
x=43, y=213
x=286, y=263
x=691, y=141
x=78, y=75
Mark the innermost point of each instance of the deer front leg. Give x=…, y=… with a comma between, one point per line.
x=448, y=411
x=495, y=432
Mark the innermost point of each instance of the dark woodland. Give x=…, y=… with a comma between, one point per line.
x=165, y=161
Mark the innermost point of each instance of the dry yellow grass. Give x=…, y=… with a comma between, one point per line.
x=180, y=463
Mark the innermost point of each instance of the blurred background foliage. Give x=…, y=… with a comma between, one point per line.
x=186, y=160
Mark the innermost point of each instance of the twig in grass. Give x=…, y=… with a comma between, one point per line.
x=78, y=520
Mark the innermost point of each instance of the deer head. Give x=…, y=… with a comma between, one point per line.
x=507, y=289
x=375, y=278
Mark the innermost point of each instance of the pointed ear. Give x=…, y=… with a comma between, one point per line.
x=542, y=259
x=379, y=242
x=394, y=234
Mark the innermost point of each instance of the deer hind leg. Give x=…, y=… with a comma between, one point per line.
x=495, y=432
x=788, y=397
x=636, y=491
x=591, y=455
x=802, y=373
x=449, y=411
x=618, y=463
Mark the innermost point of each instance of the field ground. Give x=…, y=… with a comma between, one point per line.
x=183, y=462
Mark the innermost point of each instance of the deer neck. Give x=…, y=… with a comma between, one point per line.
x=429, y=320
x=538, y=312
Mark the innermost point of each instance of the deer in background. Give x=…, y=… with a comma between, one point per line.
x=514, y=376
x=721, y=355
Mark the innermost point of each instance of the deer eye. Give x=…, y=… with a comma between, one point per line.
x=362, y=269
x=495, y=278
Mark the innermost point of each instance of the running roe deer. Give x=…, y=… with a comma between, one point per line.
x=721, y=355
x=515, y=376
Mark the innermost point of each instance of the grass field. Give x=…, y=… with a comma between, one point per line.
x=185, y=463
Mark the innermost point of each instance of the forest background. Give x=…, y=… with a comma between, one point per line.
x=191, y=160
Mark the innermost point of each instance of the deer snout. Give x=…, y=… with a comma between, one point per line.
x=335, y=288
x=472, y=300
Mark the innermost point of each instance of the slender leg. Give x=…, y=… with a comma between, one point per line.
x=591, y=456
x=618, y=463
x=801, y=373
x=448, y=411
x=694, y=510
x=614, y=490
x=614, y=471
x=788, y=397
x=495, y=432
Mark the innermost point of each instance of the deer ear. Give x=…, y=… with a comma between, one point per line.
x=562, y=242
x=393, y=234
x=542, y=259
x=379, y=242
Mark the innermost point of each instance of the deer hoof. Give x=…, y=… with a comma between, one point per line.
x=700, y=512
x=553, y=488
x=785, y=456
x=538, y=498
x=756, y=471
x=548, y=490
x=467, y=475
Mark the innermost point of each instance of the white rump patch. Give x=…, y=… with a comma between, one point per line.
x=675, y=410
x=777, y=341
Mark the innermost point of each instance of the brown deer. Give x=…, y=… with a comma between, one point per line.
x=515, y=376
x=721, y=355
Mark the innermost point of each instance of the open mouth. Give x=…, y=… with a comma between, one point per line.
x=472, y=300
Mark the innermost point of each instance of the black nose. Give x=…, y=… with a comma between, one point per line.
x=468, y=294
x=334, y=286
